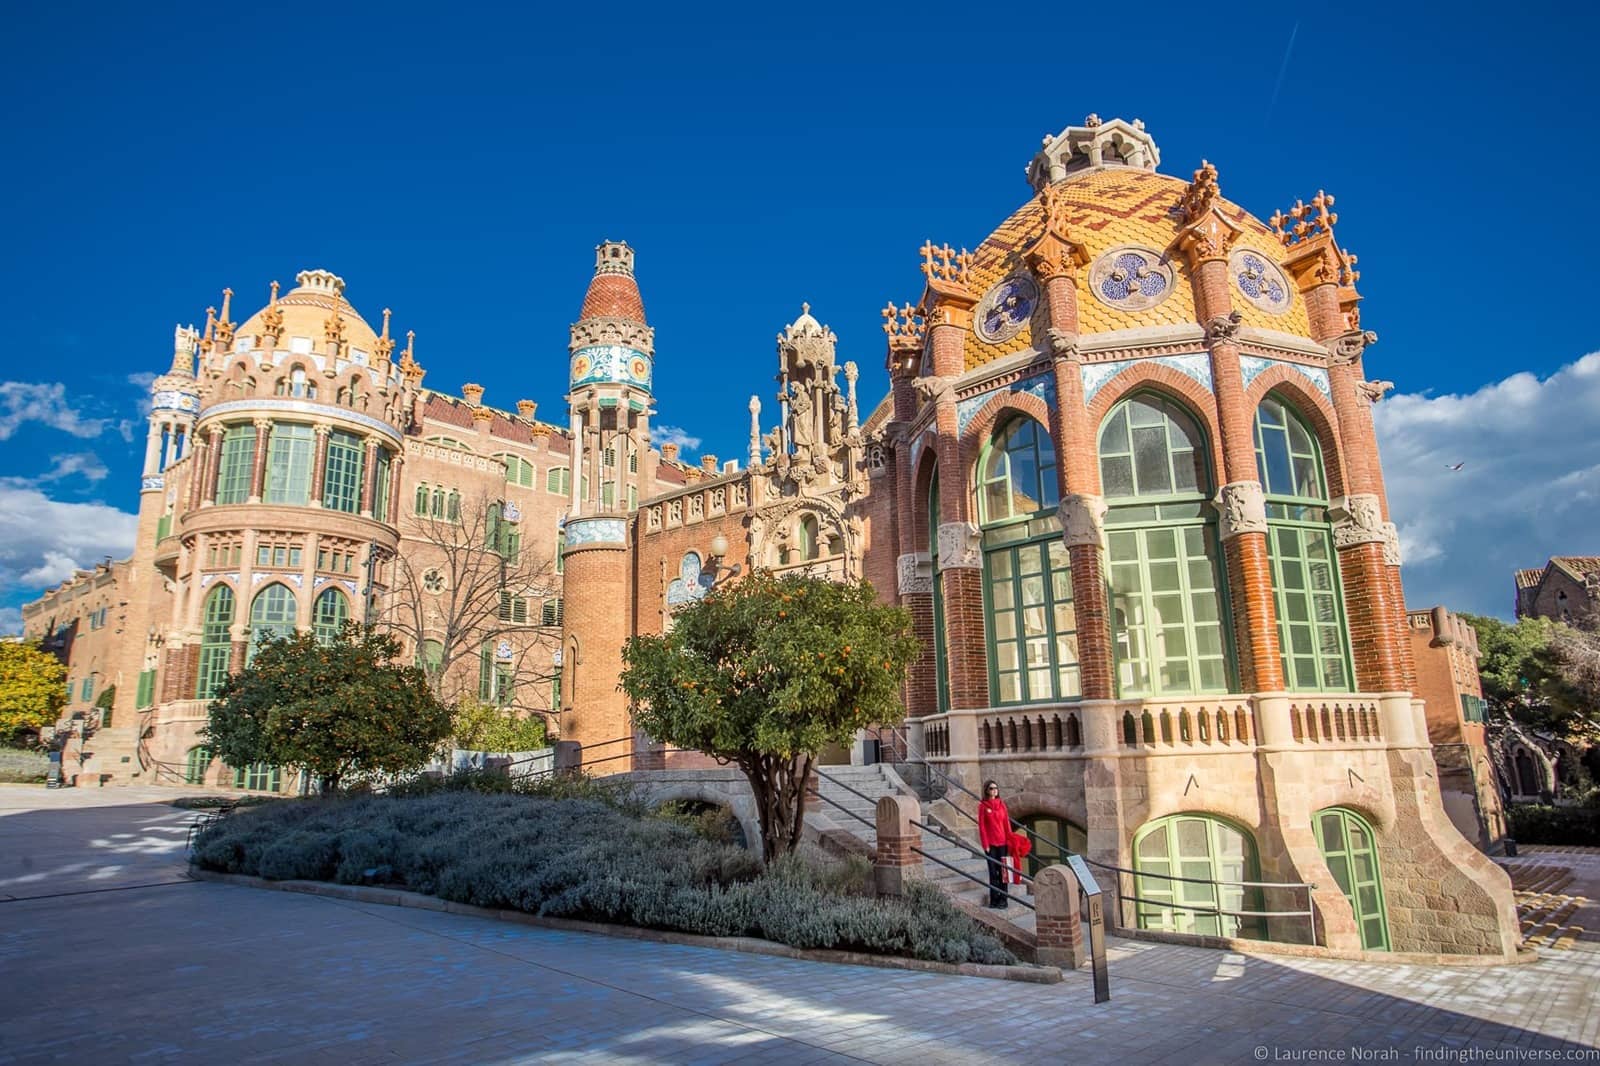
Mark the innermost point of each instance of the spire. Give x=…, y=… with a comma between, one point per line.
x=385, y=342
x=224, y=326
x=614, y=293
x=184, y=340
x=272, y=321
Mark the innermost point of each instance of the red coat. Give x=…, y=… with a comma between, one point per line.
x=994, y=823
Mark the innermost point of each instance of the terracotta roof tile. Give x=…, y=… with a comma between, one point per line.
x=614, y=295
x=1528, y=578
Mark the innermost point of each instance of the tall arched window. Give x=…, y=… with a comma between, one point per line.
x=430, y=656
x=518, y=470
x=271, y=615
x=329, y=614
x=291, y=450
x=1212, y=856
x=810, y=546
x=452, y=509
x=195, y=765
x=437, y=510
x=1167, y=611
x=216, y=642
x=341, y=478
x=421, y=504
x=233, y=468
x=1032, y=629
x=1349, y=847
x=1305, y=568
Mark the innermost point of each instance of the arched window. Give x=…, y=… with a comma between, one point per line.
x=431, y=658
x=341, y=479
x=195, y=765
x=558, y=479
x=1305, y=568
x=421, y=504
x=291, y=450
x=1032, y=629
x=1213, y=856
x=216, y=642
x=1168, y=628
x=1350, y=849
x=329, y=614
x=810, y=548
x=271, y=615
x=452, y=509
x=518, y=471
x=300, y=385
x=233, y=468
x=437, y=507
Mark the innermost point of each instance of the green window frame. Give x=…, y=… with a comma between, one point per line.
x=88, y=688
x=257, y=777
x=430, y=656
x=486, y=672
x=146, y=694
x=196, y=761
x=419, y=505
x=234, y=465
x=810, y=546
x=550, y=612
x=329, y=614
x=380, y=484
x=513, y=608
x=1349, y=847
x=1169, y=619
x=1213, y=855
x=291, y=451
x=1030, y=622
x=272, y=614
x=558, y=479
x=1313, y=639
x=216, y=642
x=504, y=684
x=518, y=471
x=941, y=651
x=341, y=477
x=1053, y=840
x=561, y=551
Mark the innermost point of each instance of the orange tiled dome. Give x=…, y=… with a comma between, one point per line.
x=613, y=293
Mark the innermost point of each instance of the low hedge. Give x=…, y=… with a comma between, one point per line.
x=584, y=858
x=23, y=766
x=1534, y=823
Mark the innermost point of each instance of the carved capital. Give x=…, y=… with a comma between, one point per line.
x=959, y=546
x=915, y=574
x=1344, y=350
x=1083, y=520
x=1223, y=328
x=935, y=390
x=1243, y=509
x=1391, y=544
x=1357, y=519
x=1210, y=236
x=1063, y=344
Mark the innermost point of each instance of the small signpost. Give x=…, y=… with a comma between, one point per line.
x=1097, y=926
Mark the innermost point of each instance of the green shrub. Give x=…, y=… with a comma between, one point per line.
x=24, y=766
x=206, y=803
x=1532, y=823
x=582, y=854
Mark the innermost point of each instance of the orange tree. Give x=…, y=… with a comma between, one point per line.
x=32, y=690
x=332, y=709
x=763, y=673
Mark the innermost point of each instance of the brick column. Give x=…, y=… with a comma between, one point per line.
x=895, y=863
x=1206, y=241
x=369, y=474
x=396, y=482
x=1058, y=913
x=199, y=462
x=319, y=465
x=258, y=466
x=208, y=492
x=596, y=561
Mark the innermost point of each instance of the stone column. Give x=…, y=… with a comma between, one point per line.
x=170, y=454
x=1059, y=918
x=369, y=474
x=319, y=464
x=895, y=863
x=258, y=468
x=396, y=483
x=575, y=467
x=208, y=491
x=1206, y=241
x=596, y=561
x=152, y=449
x=200, y=462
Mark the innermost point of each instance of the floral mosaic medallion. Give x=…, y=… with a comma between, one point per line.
x=1006, y=308
x=1131, y=278
x=1262, y=283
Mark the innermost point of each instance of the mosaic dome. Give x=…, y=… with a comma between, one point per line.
x=1128, y=220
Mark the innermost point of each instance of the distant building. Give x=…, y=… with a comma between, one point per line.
x=1446, y=650
x=1566, y=589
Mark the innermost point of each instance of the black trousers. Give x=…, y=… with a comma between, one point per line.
x=997, y=875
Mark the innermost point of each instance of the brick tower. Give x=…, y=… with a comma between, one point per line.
x=609, y=402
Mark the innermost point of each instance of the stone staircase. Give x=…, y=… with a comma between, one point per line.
x=109, y=756
x=874, y=782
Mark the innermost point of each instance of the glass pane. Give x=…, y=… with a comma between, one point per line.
x=1005, y=625
x=1005, y=656
x=1152, y=473
x=1000, y=564
x=1010, y=688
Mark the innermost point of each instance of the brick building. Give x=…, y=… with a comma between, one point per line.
x=1125, y=480
x=1566, y=589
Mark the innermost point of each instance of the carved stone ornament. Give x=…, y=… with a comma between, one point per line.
x=1243, y=509
x=1063, y=344
x=1083, y=520
x=1373, y=391
x=935, y=390
x=959, y=546
x=915, y=574
x=1357, y=519
x=1346, y=349
x=1391, y=544
x=1223, y=327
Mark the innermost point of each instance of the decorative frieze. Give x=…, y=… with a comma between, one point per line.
x=1357, y=519
x=960, y=546
x=582, y=531
x=1253, y=366
x=1041, y=385
x=1097, y=375
x=1083, y=520
x=914, y=573
x=1243, y=509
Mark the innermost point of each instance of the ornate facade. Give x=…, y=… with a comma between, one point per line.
x=1125, y=481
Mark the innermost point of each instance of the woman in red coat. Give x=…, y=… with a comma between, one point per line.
x=994, y=833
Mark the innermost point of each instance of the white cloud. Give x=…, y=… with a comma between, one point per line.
x=674, y=435
x=21, y=401
x=142, y=380
x=10, y=621
x=43, y=540
x=1528, y=487
x=86, y=464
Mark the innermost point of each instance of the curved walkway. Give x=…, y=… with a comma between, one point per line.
x=108, y=954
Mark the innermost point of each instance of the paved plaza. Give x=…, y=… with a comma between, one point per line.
x=108, y=954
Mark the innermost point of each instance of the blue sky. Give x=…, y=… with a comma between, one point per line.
x=458, y=164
